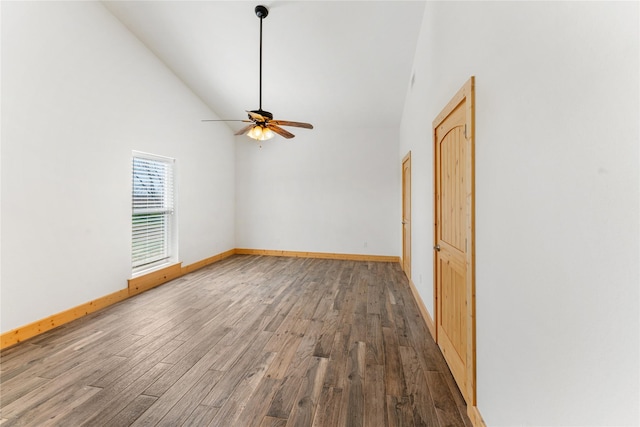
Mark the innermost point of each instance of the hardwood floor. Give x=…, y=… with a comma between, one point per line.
x=248, y=341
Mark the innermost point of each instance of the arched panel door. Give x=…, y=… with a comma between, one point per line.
x=454, y=259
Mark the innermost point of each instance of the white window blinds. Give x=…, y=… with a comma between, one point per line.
x=152, y=213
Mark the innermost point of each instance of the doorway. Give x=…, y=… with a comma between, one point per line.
x=406, y=215
x=454, y=242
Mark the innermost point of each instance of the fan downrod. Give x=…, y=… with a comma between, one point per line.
x=261, y=11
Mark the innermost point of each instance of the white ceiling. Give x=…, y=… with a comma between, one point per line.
x=331, y=63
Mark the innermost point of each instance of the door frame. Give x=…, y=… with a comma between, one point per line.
x=466, y=93
x=406, y=188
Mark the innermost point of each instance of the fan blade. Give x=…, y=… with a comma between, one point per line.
x=294, y=124
x=277, y=129
x=257, y=117
x=223, y=120
x=245, y=129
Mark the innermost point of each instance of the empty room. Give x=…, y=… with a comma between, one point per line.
x=320, y=213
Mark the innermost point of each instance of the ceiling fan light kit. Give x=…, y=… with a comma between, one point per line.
x=260, y=133
x=262, y=126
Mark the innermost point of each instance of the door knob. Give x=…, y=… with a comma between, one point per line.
x=437, y=248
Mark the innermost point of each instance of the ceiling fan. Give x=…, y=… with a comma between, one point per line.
x=261, y=124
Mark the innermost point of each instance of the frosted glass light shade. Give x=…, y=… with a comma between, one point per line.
x=267, y=134
x=255, y=132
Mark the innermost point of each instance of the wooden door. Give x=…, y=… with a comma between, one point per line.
x=454, y=237
x=406, y=214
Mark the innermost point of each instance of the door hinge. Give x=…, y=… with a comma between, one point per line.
x=465, y=131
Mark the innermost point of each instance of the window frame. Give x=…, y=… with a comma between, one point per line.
x=150, y=208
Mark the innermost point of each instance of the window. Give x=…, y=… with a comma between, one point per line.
x=152, y=212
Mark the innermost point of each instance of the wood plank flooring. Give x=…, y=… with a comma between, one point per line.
x=249, y=341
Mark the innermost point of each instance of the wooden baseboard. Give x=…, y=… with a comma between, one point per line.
x=429, y=321
x=36, y=328
x=324, y=255
x=475, y=417
x=426, y=317
x=207, y=261
x=472, y=411
x=164, y=275
x=135, y=286
x=156, y=278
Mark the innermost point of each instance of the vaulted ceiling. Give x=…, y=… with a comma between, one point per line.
x=331, y=63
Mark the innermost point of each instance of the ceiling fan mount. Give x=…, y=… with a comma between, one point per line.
x=261, y=11
x=262, y=126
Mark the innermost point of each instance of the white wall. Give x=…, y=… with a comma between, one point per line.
x=79, y=93
x=557, y=190
x=326, y=190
